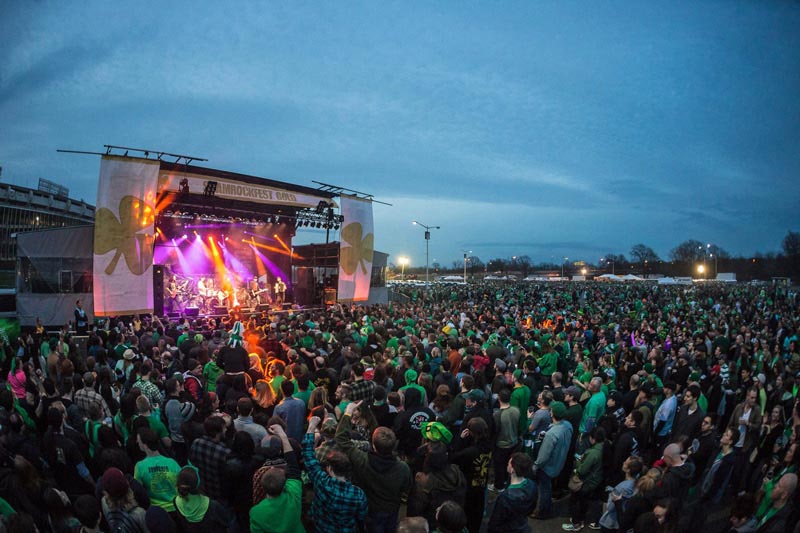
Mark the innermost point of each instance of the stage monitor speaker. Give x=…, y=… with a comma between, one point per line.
x=173, y=314
x=191, y=311
x=158, y=289
x=263, y=307
x=220, y=310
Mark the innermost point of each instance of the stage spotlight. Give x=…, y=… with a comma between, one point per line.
x=211, y=189
x=185, y=236
x=184, y=186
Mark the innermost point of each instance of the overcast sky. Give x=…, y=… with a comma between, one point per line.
x=549, y=129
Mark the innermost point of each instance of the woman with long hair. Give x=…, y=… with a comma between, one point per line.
x=441, y=402
x=472, y=453
x=771, y=431
x=642, y=499
x=120, y=508
x=319, y=399
x=263, y=398
x=197, y=513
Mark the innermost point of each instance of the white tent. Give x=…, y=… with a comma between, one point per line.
x=608, y=277
x=631, y=277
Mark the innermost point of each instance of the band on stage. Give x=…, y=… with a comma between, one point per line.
x=208, y=293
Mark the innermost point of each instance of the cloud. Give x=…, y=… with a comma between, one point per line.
x=54, y=66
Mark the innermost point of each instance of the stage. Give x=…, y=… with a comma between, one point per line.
x=222, y=244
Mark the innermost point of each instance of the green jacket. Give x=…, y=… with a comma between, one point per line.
x=548, y=364
x=521, y=399
x=590, y=468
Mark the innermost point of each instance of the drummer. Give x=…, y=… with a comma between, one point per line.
x=205, y=286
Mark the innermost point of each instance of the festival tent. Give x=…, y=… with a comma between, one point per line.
x=631, y=277
x=608, y=277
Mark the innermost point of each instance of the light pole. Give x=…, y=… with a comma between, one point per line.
x=403, y=260
x=465, y=263
x=562, y=266
x=603, y=259
x=715, y=256
x=701, y=269
x=427, y=242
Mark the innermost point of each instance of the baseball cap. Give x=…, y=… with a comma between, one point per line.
x=558, y=409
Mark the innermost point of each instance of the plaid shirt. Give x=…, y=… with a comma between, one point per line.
x=85, y=397
x=150, y=391
x=338, y=505
x=209, y=458
x=362, y=390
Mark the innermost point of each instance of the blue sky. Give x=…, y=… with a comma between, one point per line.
x=546, y=129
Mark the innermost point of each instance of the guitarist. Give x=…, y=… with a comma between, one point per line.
x=280, y=291
x=172, y=294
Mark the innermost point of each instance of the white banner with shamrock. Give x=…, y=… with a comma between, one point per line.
x=123, y=236
x=355, y=253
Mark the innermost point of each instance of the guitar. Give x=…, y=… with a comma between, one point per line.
x=174, y=292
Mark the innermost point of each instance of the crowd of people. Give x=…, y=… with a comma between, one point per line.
x=480, y=407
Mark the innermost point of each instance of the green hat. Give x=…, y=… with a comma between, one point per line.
x=436, y=432
x=558, y=410
x=517, y=373
x=694, y=376
x=411, y=376
x=476, y=395
x=648, y=367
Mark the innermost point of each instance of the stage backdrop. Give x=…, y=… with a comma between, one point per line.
x=355, y=254
x=123, y=236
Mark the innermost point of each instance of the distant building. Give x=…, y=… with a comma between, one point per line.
x=23, y=209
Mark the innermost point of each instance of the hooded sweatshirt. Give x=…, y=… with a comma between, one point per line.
x=408, y=424
x=411, y=383
x=385, y=480
x=440, y=486
x=676, y=482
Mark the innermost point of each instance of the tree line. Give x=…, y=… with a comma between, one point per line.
x=683, y=260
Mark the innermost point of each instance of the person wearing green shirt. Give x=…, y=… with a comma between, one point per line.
x=595, y=407
x=153, y=419
x=303, y=389
x=276, y=377
x=411, y=383
x=521, y=399
x=548, y=363
x=212, y=372
x=775, y=516
x=279, y=511
x=155, y=472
